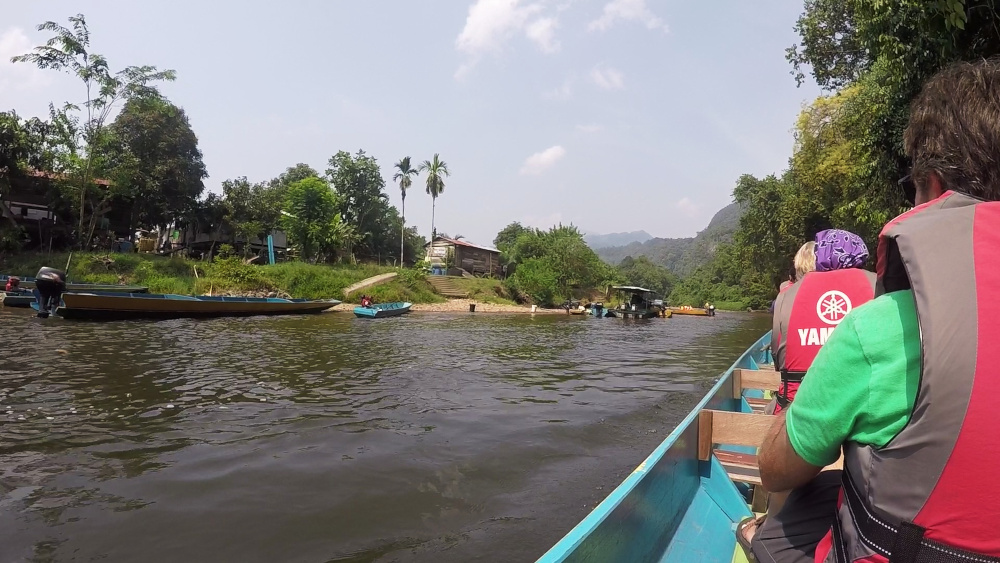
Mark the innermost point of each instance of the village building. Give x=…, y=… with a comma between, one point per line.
x=448, y=254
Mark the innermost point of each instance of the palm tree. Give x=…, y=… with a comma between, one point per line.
x=436, y=170
x=403, y=177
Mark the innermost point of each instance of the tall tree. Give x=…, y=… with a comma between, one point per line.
x=436, y=171
x=363, y=203
x=69, y=50
x=311, y=219
x=402, y=175
x=158, y=157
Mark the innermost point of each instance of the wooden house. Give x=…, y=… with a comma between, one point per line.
x=473, y=258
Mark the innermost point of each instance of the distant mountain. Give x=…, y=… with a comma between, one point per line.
x=680, y=255
x=596, y=241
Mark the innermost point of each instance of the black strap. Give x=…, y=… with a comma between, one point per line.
x=905, y=544
x=788, y=376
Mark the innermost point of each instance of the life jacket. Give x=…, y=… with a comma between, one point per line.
x=931, y=494
x=806, y=313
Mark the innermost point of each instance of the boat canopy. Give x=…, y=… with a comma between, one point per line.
x=632, y=288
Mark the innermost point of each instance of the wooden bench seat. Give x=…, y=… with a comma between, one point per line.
x=758, y=405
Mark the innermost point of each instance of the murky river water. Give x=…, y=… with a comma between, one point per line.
x=328, y=438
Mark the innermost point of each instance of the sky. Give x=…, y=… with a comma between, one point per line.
x=611, y=115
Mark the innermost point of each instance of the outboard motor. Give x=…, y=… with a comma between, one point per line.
x=50, y=284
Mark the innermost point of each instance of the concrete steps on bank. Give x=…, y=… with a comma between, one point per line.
x=446, y=287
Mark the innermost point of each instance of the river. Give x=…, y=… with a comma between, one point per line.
x=327, y=438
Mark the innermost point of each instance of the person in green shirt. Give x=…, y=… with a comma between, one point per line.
x=862, y=385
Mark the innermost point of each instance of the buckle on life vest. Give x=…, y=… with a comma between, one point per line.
x=903, y=544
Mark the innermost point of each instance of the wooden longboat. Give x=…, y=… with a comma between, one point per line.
x=693, y=311
x=684, y=501
x=383, y=310
x=29, y=283
x=108, y=306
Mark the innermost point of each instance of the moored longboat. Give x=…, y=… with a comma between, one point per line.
x=117, y=306
x=635, y=303
x=681, y=504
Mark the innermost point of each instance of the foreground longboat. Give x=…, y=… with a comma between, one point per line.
x=683, y=503
x=117, y=306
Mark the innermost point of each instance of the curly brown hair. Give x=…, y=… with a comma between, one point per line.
x=954, y=129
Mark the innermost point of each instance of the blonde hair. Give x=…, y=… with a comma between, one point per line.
x=805, y=260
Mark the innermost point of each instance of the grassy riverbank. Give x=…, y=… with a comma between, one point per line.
x=177, y=275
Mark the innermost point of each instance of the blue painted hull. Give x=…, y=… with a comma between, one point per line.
x=672, y=508
x=382, y=310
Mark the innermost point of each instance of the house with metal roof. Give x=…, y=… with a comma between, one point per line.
x=473, y=258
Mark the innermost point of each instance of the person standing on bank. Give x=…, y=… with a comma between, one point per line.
x=906, y=385
x=806, y=312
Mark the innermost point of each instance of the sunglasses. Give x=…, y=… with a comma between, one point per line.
x=909, y=189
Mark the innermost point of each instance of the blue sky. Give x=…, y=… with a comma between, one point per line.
x=613, y=115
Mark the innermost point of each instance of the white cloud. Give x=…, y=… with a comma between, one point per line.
x=542, y=32
x=608, y=78
x=590, y=128
x=540, y=161
x=627, y=10
x=688, y=207
x=491, y=23
x=563, y=92
x=22, y=76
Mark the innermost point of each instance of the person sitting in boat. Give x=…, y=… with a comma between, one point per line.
x=366, y=301
x=831, y=283
x=905, y=386
x=13, y=284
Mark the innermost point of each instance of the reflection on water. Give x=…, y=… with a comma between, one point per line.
x=329, y=438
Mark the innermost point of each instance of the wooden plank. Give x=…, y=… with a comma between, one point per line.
x=758, y=405
x=736, y=428
x=705, y=435
x=737, y=383
x=768, y=380
x=740, y=467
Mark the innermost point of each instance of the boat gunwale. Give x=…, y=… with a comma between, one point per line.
x=572, y=539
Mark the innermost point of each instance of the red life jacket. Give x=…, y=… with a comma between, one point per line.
x=932, y=493
x=807, y=312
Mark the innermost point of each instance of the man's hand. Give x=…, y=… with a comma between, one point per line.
x=781, y=469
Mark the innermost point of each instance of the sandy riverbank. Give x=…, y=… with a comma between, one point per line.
x=462, y=306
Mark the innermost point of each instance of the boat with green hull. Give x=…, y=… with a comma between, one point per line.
x=681, y=504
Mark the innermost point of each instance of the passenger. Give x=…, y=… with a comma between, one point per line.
x=13, y=284
x=906, y=384
x=808, y=310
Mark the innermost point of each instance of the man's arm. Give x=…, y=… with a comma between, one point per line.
x=781, y=468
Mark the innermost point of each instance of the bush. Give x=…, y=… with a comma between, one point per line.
x=537, y=280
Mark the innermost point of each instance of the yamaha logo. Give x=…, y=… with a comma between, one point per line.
x=833, y=306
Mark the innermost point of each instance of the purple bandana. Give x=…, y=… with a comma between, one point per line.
x=837, y=249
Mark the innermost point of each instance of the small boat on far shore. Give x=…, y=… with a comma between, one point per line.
x=22, y=298
x=28, y=282
x=109, y=306
x=382, y=310
x=692, y=311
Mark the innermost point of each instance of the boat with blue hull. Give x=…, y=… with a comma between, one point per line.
x=382, y=310
x=21, y=298
x=685, y=500
x=116, y=306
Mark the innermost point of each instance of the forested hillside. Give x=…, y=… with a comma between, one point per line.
x=681, y=255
